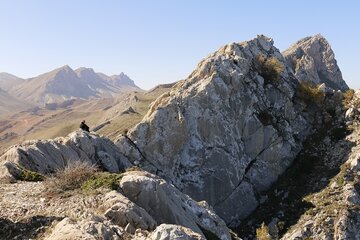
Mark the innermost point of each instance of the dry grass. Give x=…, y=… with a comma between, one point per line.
x=262, y=233
x=269, y=68
x=348, y=96
x=70, y=178
x=311, y=93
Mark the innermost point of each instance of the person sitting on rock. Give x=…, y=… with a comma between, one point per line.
x=84, y=127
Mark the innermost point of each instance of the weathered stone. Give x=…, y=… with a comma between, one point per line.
x=174, y=232
x=121, y=211
x=166, y=204
x=87, y=230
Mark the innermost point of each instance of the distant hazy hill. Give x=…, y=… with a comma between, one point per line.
x=9, y=104
x=65, y=83
x=8, y=81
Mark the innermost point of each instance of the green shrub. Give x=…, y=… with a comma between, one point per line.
x=102, y=180
x=262, y=233
x=27, y=175
x=269, y=68
x=70, y=178
x=311, y=93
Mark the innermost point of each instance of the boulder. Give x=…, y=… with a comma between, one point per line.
x=174, y=232
x=68, y=229
x=121, y=211
x=168, y=205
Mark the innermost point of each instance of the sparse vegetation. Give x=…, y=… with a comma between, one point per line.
x=269, y=68
x=70, y=178
x=262, y=233
x=133, y=168
x=102, y=180
x=311, y=93
x=30, y=176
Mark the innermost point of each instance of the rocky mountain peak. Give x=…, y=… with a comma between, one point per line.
x=312, y=59
x=122, y=80
x=232, y=120
x=83, y=72
x=64, y=71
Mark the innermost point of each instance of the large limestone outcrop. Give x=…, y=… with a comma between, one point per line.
x=226, y=132
x=46, y=156
x=312, y=59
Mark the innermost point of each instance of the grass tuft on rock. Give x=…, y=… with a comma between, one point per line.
x=102, y=180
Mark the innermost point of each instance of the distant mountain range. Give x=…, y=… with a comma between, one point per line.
x=65, y=83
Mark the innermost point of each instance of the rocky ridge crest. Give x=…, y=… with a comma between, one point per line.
x=312, y=59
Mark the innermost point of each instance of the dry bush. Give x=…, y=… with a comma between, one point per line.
x=311, y=93
x=348, y=96
x=262, y=233
x=70, y=178
x=269, y=68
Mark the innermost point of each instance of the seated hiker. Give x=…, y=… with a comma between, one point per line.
x=83, y=126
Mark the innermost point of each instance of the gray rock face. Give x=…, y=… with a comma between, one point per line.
x=226, y=132
x=312, y=59
x=46, y=156
x=166, y=204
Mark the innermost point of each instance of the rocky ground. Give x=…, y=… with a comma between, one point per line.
x=27, y=211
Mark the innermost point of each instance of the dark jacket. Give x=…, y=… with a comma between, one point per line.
x=84, y=127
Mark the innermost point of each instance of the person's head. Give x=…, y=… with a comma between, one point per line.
x=83, y=121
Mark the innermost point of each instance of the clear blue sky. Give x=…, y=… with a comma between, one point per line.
x=161, y=41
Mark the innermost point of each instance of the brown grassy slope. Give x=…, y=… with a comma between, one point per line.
x=44, y=123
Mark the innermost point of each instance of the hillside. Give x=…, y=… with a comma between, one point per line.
x=42, y=123
x=8, y=81
x=9, y=104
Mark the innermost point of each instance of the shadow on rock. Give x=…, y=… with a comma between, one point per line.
x=26, y=229
x=313, y=169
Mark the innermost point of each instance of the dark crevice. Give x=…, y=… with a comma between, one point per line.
x=308, y=174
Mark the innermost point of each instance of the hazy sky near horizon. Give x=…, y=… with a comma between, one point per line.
x=162, y=41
